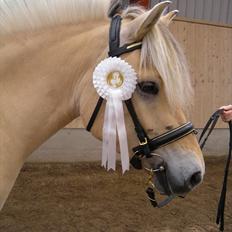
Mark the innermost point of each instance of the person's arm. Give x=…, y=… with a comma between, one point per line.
x=226, y=114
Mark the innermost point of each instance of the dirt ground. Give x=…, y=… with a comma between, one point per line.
x=84, y=197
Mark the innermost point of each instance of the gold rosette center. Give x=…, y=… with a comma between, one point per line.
x=115, y=79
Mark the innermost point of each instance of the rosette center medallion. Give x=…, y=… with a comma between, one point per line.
x=115, y=79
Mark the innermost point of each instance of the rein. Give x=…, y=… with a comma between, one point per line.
x=209, y=127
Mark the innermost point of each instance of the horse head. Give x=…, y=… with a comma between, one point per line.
x=161, y=100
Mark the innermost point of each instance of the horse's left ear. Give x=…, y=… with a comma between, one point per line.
x=141, y=25
x=167, y=19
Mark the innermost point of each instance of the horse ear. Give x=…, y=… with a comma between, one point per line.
x=167, y=19
x=142, y=24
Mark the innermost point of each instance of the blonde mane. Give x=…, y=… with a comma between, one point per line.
x=161, y=50
x=26, y=15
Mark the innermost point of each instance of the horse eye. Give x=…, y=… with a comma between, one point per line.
x=148, y=87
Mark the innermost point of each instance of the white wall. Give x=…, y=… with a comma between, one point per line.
x=75, y=145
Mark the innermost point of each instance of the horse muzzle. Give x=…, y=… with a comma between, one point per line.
x=158, y=180
x=167, y=177
x=170, y=182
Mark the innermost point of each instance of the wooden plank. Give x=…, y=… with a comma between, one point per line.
x=204, y=22
x=209, y=52
x=210, y=65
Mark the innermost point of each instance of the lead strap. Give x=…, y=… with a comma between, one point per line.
x=222, y=201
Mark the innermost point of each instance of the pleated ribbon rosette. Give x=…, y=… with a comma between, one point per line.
x=115, y=80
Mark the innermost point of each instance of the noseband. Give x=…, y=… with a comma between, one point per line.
x=146, y=145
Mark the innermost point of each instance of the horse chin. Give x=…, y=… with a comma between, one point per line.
x=176, y=174
x=159, y=186
x=159, y=180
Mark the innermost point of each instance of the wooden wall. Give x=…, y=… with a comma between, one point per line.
x=208, y=49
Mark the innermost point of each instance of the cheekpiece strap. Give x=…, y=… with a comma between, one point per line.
x=114, y=39
x=114, y=33
x=114, y=51
x=141, y=134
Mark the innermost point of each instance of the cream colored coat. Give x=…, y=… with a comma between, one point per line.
x=45, y=83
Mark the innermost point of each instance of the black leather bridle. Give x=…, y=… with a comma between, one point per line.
x=146, y=145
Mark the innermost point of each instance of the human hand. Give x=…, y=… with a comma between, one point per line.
x=226, y=114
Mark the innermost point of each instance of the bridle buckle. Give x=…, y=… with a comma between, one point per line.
x=143, y=143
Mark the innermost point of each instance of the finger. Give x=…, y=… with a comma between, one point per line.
x=229, y=107
x=223, y=118
x=227, y=114
x=226, y=118
x=222, y=107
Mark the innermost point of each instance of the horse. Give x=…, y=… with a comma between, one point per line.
x=48, y=51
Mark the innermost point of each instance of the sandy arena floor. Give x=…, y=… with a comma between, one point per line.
x=85, y=198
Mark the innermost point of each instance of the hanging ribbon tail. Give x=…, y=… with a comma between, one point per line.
x=109, y=137
x=121, y=129
x=114, y=80
x=114, y=124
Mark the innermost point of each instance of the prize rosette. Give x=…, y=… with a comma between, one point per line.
x=114, y=75
x=114, y=80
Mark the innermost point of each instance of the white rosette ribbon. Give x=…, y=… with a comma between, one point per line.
x=115, y=80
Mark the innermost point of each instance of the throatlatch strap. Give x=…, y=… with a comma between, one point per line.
x=94, y=114
x=141, y=134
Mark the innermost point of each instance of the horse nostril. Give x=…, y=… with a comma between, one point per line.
x=195, y=179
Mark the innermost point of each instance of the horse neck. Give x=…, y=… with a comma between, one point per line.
x=44, y=71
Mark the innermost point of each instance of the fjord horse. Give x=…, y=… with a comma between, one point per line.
x=48, y=51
